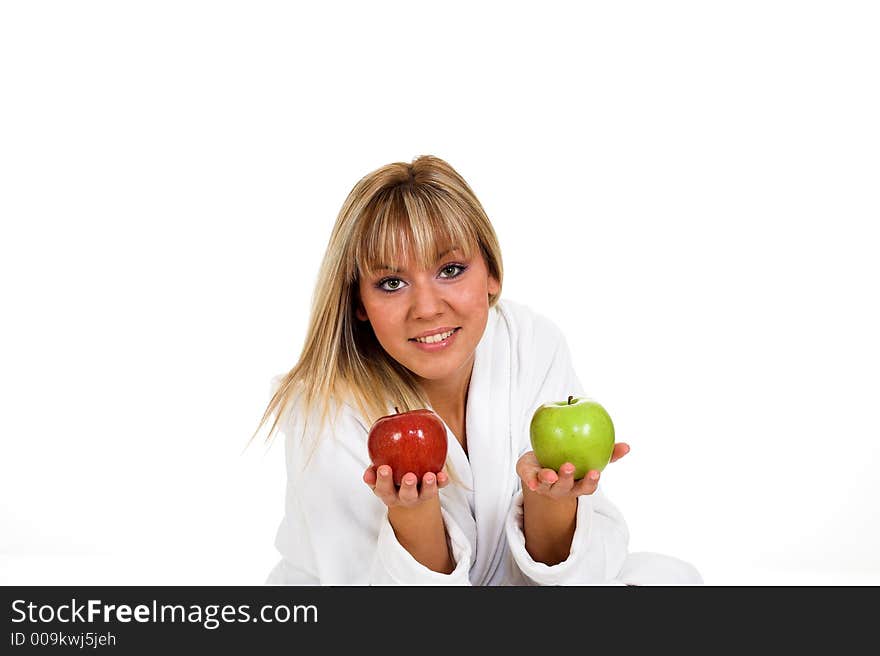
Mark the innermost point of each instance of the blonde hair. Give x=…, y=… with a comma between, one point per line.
x=420, y=208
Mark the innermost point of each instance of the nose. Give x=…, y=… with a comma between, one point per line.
x=427, y=301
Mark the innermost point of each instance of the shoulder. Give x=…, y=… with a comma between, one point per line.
x=528, y=327
x=297, y=411
x=311, y=436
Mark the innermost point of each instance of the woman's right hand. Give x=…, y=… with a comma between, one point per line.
x=409, y=495
x=414, y=514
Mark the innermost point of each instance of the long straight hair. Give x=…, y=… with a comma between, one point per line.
x=421, y=208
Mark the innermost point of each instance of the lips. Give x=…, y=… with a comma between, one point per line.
x=435, y=336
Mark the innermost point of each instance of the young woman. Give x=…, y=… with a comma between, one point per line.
x=407, y=314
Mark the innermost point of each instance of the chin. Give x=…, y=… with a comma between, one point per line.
x=436, y=372
x=431, y=375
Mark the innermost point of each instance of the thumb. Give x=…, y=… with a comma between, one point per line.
x=528, y=474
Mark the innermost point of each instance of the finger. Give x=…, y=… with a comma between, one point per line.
x=525, y=469
x=442, y=479
x=588, y=484
x=546, y=478
x=566, y=481
x=620, y=450
x=528, y=471
x=530, y=480
x=385, y=485
x=528, y=459
x=370, y=476
x=429, y=487
x=409, y=494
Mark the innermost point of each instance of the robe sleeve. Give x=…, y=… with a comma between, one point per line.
x=598, y=548
x=335, y=531
x=600, y=543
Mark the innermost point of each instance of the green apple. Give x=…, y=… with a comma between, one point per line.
x=578, y=431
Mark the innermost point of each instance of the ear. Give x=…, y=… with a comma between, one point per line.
x=494, y=286
x=359, y=312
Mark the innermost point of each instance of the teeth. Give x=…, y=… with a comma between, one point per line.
x=433, y=339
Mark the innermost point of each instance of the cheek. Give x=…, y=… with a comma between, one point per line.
x=383, y=317
x=476, y=295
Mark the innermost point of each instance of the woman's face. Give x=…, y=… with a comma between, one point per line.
x=405, y=304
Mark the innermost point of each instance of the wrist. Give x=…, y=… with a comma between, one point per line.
x=416, y=515
x=421, y=531
x=564, y=505
x=548, y=526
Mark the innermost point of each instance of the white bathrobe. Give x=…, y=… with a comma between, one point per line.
x=335, y=531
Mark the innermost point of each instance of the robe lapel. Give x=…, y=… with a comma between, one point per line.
x=490, y=446
x=458, y=459
x=458, y=500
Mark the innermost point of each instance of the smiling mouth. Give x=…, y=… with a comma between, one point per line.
x=434, y=339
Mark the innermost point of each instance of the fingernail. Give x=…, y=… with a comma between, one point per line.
x=383, y=472
x=429, y=479
x=594, y=475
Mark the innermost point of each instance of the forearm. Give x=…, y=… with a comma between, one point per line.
x=548, y=525
x=421, y=532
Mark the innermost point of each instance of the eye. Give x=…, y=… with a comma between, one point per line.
x=457, y=270
x=393, y=284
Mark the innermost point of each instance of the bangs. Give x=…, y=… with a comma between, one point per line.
x=409, y=221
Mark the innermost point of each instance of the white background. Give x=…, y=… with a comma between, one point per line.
x=689, y=189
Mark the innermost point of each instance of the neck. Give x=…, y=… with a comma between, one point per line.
x=449, y=395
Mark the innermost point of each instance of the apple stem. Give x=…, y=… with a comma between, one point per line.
x=396, y=411
x=569, y=399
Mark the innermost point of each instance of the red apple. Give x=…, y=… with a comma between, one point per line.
x=413, y=441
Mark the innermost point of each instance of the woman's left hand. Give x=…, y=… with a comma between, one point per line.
x=561, y=484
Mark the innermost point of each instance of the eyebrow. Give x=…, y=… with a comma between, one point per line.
x=385, y=267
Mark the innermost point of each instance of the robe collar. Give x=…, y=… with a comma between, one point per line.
x=492, y=450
